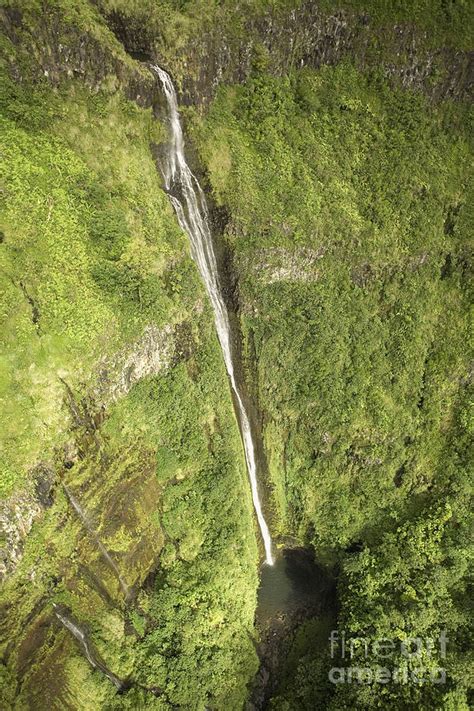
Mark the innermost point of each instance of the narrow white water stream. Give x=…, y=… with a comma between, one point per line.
x=190, y=205
x=105, y=553
x=86, y=647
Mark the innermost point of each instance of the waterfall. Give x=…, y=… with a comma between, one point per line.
x=190, y=205
x=105, y=553
x=85, y=645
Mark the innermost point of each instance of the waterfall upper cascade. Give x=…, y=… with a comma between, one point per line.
x=190, y=205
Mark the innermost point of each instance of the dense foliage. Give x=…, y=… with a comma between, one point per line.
x=443, y=21
x=348, y=206
x=349, y=217
x=95, y=276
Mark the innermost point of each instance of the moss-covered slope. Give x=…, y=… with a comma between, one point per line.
x=334, y=138
x=125, y=502
x=349, y=217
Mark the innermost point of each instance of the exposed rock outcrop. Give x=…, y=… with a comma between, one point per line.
x=280, y=38
x=57, y=52
x=284, y=39
x=149, y=355
x=16, y=519
x=278, y=264
x=152, y=353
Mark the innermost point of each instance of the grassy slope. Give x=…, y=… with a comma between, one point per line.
x=87, y=238
x=91, y=255
x=360, y=355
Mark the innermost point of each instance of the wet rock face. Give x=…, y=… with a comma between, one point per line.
x=153, y=352
x=134, y=35
x=308, y=37
x=43, y=477
x=58, y=52
x=17, y=515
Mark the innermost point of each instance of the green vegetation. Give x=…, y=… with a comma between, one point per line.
x=348, y=206
x=445, y=23
x=85, y=249
x=421, y=44
x=349, y=221
x=96, y=283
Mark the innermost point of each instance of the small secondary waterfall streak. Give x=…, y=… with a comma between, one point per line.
x=86, y=646
x=190, y=205
x=105, y=553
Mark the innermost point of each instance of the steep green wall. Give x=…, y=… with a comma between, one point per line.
x=420, y=44
x=348, y=208
x=344, y=194
x=113, y=392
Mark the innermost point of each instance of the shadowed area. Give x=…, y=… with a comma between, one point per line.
x=295, y=582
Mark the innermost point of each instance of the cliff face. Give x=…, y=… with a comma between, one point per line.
x=228, y=46
x=341, y=210
x=53, y=47
x=347, y=198
x=125, y=501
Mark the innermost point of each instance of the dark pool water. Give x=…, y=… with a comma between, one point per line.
x=295, y=581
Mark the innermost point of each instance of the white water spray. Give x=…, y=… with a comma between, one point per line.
x=190, y=205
